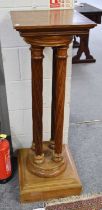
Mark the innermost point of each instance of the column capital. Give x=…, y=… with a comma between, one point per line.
x=37, y=52
x=61, y=52
x=47, y=39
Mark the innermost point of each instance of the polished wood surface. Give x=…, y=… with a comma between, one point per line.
x=43, y=167
x=51, y=19
x=93, y=14
x=35, y=188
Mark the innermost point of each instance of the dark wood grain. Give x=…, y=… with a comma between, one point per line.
x=37, y=99
x=59, y=96
x=52, y=143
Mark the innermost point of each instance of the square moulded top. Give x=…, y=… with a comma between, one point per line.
x=49, y=19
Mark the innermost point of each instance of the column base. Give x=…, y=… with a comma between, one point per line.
x=35, y=188
x=49, y=167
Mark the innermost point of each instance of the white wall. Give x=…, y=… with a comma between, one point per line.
x=17, y=69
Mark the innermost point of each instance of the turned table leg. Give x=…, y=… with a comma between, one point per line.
x=83, y=48
x=59, y=76
x=37, y=100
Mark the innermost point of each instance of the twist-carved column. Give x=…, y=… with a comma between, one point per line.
x=37, y=99
x=52, y=142
x=59, y=76
x=52, y=162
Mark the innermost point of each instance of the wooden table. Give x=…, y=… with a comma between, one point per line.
x=47, y=170
x=93, y=14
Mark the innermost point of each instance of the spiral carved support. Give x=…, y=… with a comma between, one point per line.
x=52, y=143
x=58, y=94
x=52, y=162
x=37, y=100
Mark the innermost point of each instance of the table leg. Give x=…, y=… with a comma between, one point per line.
x=59, y=76
x=76, y=44
x=84, y=48
x=37, y=100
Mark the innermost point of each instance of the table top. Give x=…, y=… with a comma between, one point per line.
x=86, y=8
x=50, y=19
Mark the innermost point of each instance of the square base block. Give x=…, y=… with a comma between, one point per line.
x=34, y=188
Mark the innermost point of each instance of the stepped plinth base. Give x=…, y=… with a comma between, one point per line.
x=35, y=188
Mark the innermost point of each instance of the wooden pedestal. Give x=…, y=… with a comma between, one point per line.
x=47, y=171
x=34, y=188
